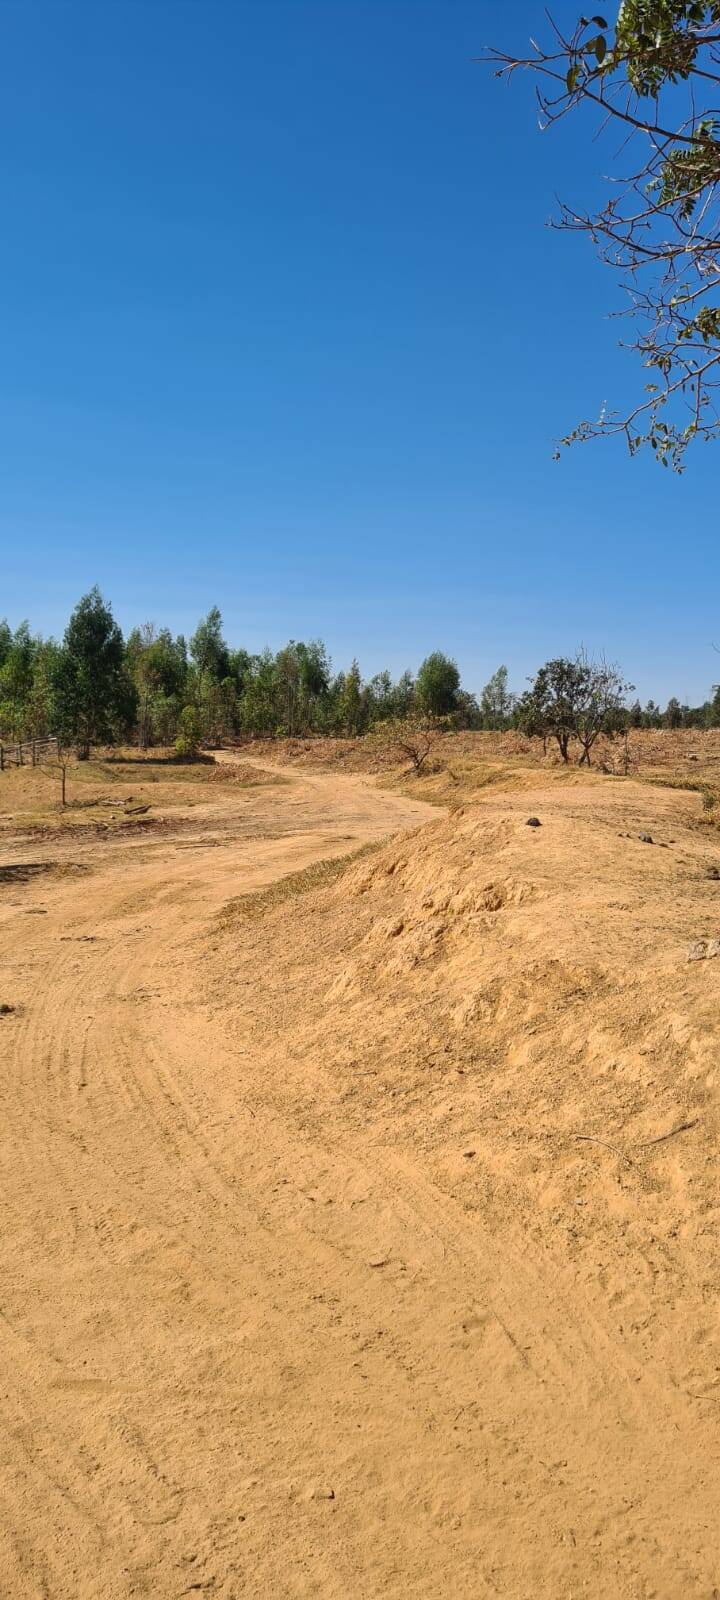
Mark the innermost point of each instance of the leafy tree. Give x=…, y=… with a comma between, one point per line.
x=404, y=694
x=574, y=699
x=437, y=685
x=313, y=682
x=652, y=715
x=5, y=640
x=603, y=709
x=158, y=667
x=188, y=739
x=94, y=696
x=257, y=707
x=287, y=688
x=241, y=666
x=673, y=714
x=652, y=79
x=496, y=702
x=16, y=680
x=39, y=715
x=549, y=708
x=380, y=697
x=216, y=708
x=208, y=649
x=351, y=705
x=467, y=712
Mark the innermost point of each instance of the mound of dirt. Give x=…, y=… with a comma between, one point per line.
x=359, y=1220
x=243, y=775
x=507, y=1018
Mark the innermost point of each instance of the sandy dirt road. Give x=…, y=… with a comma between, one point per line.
x=242, y=1358
x=148, y=1305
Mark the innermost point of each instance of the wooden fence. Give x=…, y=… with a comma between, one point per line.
x=28, y=755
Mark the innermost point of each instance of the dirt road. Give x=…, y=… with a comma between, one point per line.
x=152, y=1308
x=240, y=1357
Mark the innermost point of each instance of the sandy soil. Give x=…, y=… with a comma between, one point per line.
x=362, y=1241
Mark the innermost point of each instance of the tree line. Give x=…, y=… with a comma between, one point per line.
x=153, y=688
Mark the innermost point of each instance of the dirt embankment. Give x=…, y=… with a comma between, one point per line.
x=359, y=1223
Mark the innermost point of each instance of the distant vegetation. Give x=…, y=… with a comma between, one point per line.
x=95, y=687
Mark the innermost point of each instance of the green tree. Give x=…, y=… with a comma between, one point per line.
x=437, y=685
x=496, y=702
x=5, y=640
x=380, y=698
x=241, y=664
x=208, y=649
x=217, y=707
x=16, y=681
x=287, y=688
x=673, y=714
x=158, y=667
x=651, y=83
x=95, y=700
x=352, y=703
x=652, y=715
x=189, y=735
x=574, y=699
x=314, y=673
x=404, y=694
x=258, y=702
x=467, y=712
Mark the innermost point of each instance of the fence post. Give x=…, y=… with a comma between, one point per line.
x=33, y=752
x=2, y=759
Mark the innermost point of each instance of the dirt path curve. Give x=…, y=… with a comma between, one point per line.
x=148, y=1303
x=246, y=1353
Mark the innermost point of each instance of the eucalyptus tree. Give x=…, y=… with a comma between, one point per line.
x=95, y=699
x=437, y=685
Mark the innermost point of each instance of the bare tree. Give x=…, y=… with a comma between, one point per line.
x=602, y=709
x=413, y=738
x=652, y=79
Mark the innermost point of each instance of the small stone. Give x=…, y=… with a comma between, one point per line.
x=468, y=1154
x=714, y=872
x=320, y=1491
x=6, y=1010
x=533, y=822
x=378, y=1261
x=646, y=838
x=704, y=950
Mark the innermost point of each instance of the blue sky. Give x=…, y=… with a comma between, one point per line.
x=282, y=329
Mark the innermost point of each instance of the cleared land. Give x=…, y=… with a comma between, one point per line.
x=359, y=1225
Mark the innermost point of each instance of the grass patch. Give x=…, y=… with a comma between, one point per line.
x=694, y=785
x=140, y=769
x=318, y=875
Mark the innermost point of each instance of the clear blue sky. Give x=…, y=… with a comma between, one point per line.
x=282, y=329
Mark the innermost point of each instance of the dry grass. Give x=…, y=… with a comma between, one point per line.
x=319, y=875
x=125, y=789
x=463, y=764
